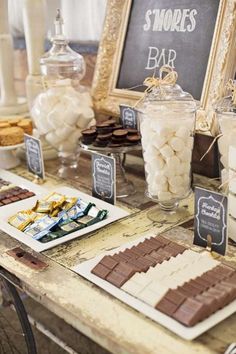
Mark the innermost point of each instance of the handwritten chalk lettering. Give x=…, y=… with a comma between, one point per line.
x=165, y=20
x=210, y=219
x=158, y=57
x=103, y=171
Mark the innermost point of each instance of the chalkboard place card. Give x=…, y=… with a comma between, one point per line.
x=34, y=156
x=104, y=178
x=210, y=220
x=128, y=117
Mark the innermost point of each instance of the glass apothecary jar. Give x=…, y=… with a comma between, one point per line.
x=167, y=122
x=226, y=116
x=64, y=107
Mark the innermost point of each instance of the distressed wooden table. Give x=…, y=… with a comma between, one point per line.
x=92, y=311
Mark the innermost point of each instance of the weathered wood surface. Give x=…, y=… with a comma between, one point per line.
x=91, y=310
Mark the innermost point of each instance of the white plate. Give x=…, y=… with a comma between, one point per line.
x=11, y=147
x=114, y=213
x=188, y=333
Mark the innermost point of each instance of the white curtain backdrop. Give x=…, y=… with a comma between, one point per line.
x=83, y=18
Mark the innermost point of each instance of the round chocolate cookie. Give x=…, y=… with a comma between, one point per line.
x=120, y=133
x=104, y=137
x=100, y=143
x=89, y=135
x=134, y=139
x=117, y=126
x=110, y=122
x=104, y=128
x=132, y=131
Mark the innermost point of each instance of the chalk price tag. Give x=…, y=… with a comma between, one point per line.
x=34, y=156
x=128, y=117
x=210, y=220
x=104, y=178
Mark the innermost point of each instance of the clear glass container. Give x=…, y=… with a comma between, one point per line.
x=64, y=108
x=226, y=116
x=167, y=122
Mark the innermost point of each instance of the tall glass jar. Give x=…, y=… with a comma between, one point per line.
x=167, y=125
x=226, y=117
x=64, y=108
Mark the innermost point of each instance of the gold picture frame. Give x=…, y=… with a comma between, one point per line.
x=221, y=64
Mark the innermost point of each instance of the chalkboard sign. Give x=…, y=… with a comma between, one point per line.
x=128, y=117
x=34, y=156
x=168, y=32
x=210, y=220
x=104, y=177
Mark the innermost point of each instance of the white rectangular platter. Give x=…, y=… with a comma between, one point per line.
x=114, y=213
x=188, y=333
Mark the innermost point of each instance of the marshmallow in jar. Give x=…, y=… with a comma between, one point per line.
x=226, y=116
x=63, y=109
x=167, y=124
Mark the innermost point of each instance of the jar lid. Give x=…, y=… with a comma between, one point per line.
x=228, y=103
x=61, y=59
x=164, y=89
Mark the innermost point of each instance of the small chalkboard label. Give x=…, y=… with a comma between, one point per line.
x=34, y=156
x=128, y=117
x=104, y=177
x=210, y=220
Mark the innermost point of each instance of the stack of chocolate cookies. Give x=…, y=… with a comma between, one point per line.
x=110, y=134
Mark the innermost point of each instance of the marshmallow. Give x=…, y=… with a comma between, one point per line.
x=64, y=132
x=176, y=143
x=232, y=180
x=183, y=168
x=173, y=162
x=168, y=171
x=159, y=141
x=182, y=133
x=176, y=181
x=190, y=142
x=164, y=196
x=232, y=157
x=232, y=228
x=166, y=151
x=224, y=161
x=53, y=139
x=223, y=145
x=185, y=155
x=232, y=205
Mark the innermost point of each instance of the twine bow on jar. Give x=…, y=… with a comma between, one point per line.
x=159, y=82
x=169, y=79
x=231, y=85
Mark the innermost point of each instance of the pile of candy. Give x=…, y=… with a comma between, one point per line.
x=56, y=216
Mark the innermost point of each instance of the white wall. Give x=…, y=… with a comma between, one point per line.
x=83, y=18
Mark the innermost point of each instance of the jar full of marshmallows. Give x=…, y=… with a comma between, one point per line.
x=167, y=121
x=64, y=107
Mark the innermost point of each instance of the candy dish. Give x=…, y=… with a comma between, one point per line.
x=8, y=159
x=124, y=187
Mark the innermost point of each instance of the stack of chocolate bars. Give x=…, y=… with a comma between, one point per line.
x=9, y=193
x=183, y=284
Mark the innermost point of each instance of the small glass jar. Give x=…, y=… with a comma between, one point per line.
x=226, y=116
x=64, y=107
x=167, y=125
